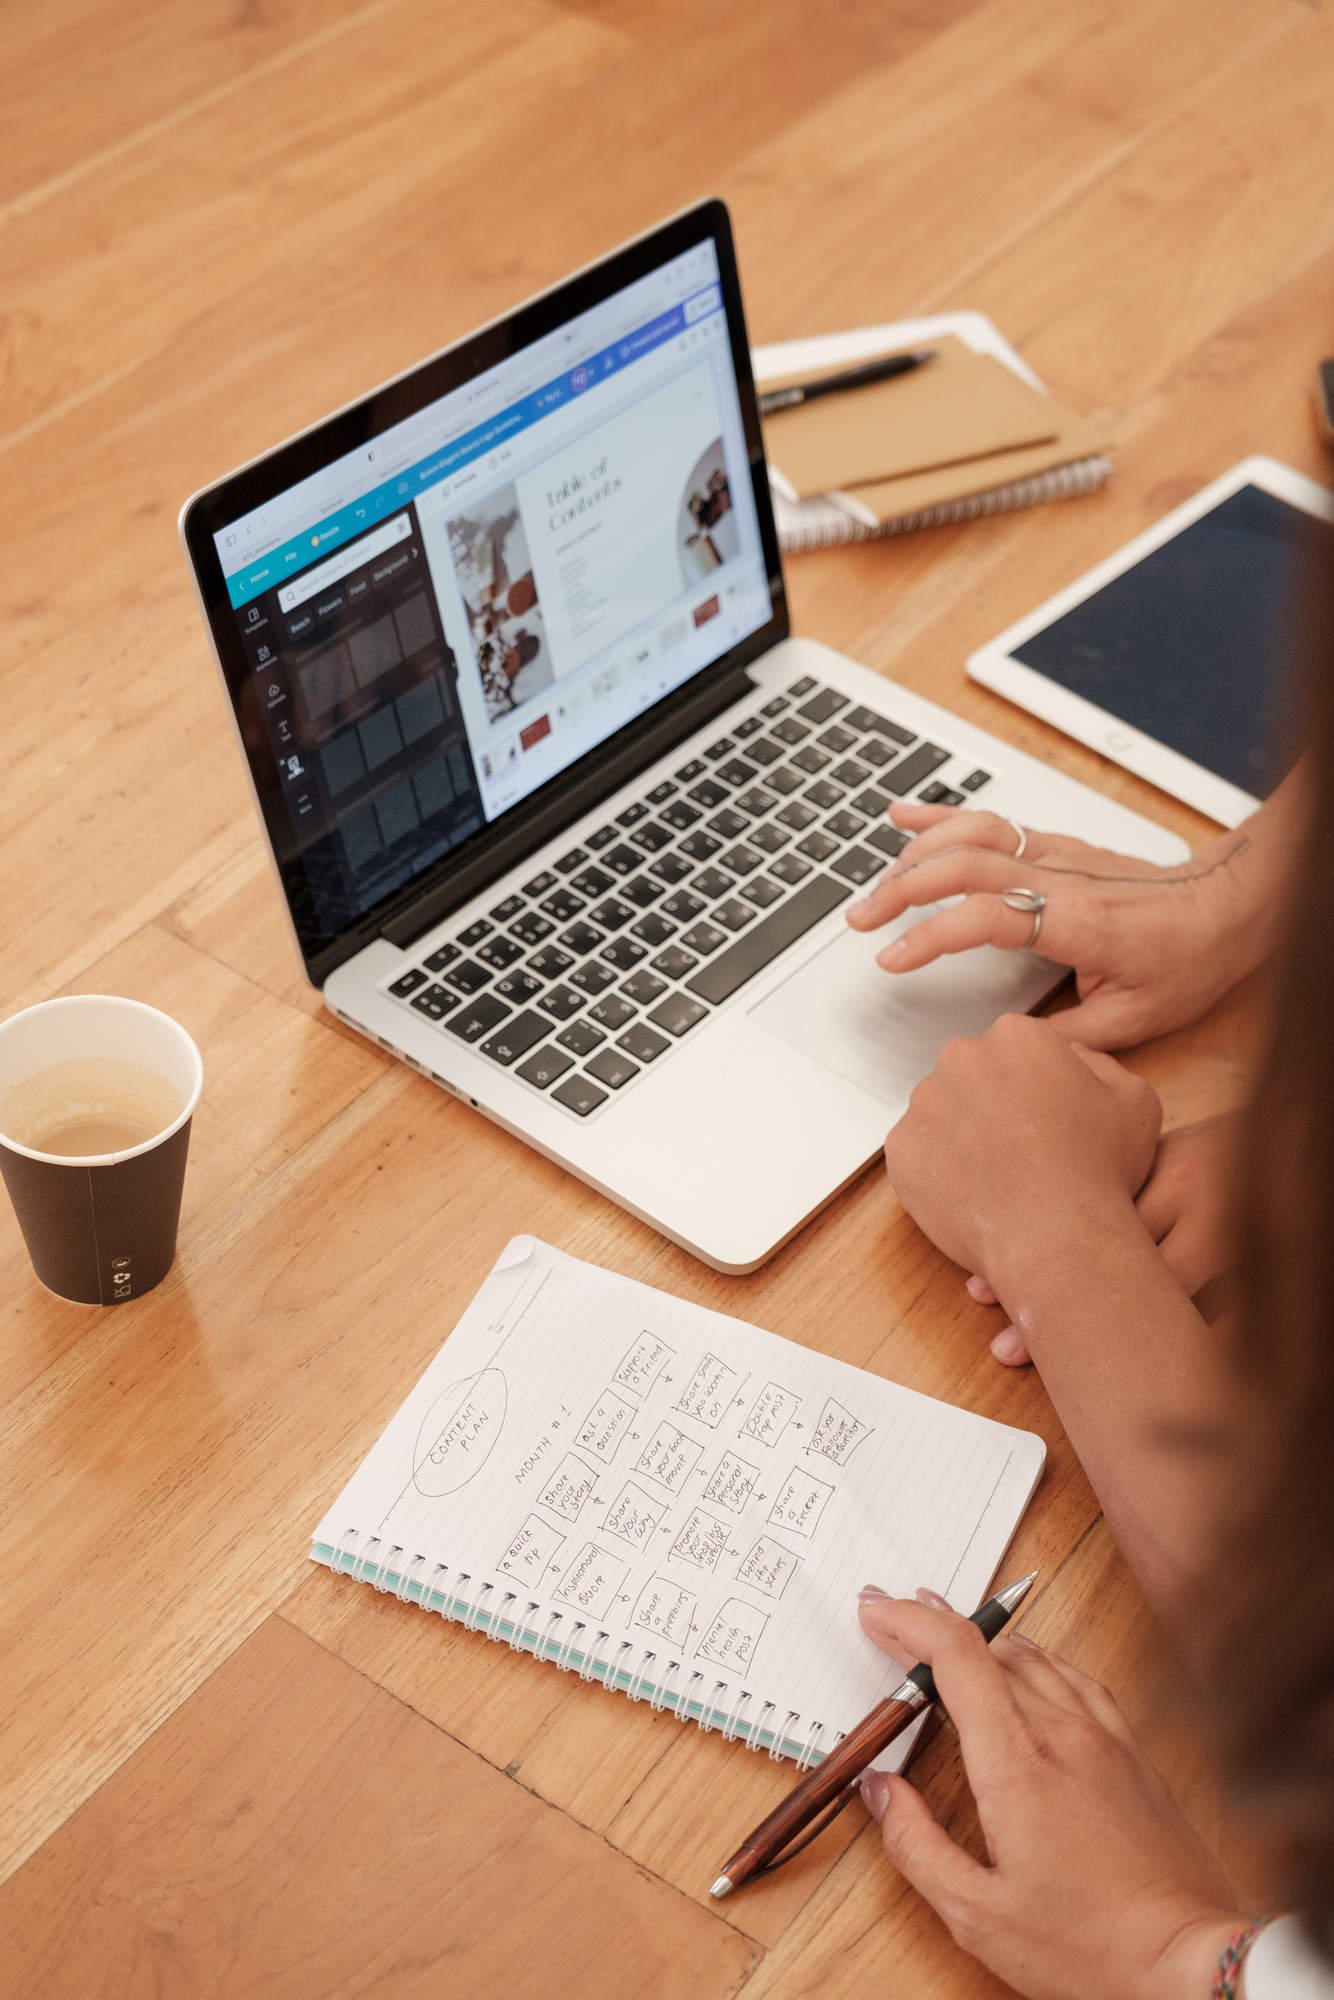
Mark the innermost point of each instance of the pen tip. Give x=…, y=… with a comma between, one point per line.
x=1014, y=1594
x=722, y=1887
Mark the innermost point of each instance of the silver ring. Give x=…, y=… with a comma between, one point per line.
x=1018, y=854
x=1028, y=903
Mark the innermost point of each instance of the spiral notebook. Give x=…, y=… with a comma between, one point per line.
x=673, y=1503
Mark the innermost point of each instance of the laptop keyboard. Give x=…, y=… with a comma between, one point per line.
x=603, y=963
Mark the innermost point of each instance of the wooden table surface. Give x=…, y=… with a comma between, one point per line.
x=223, y=1772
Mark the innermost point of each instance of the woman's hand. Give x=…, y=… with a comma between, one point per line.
x=1098, y=1887
x=1186, y=1206
x=1017, y=1146
x=1152, y=948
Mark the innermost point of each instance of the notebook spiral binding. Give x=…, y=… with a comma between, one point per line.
x=575, y=1645
x=821, y=523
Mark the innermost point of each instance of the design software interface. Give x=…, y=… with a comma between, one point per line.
x=443, y=620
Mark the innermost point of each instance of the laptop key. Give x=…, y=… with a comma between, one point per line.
x=624, y=953
x=789, y=730
x=823, y=794
x=442, y=956
x=563, y=905
x=597, y=841
x=681, y=814
x=641, y=892
x=937, y=794
x=474, y=933
x=660, y=792
x=873, y=751
x=821, y=706
x=871, y=802
x=850, y=773
x=845, y=826
x=677, y=1013
x=577, y=1094
x=718, y=980
x=545, y=1066
x=613, y=1012
x=515, y=1038
x=911, y=770
x=540, y=884
x=611, y=1068
x=671, y=869
x=581, y=939
x=864, y=719
x=811, y=760
x=719, y=749
x=518, y=987
x=761, y=892
x=574, y=859
x=690, y=770
x=740, y=859
x=500, y=952
x=784, y=782
x=683, y=906
x=975, y=781
x=550, y=962
x=790, y=869
x=735, y=915
x=674, y=962
x=532, y=928
x=888, y=839
x=699, y=846
x=643, y=988
x=712, y=882
x=623, y=859
x=611, y=914
x=509, y=908
x=768, y=838
x=593, y=978
x=728, y=823
x=747, y=728
x=435, y=1003
x=642, y=1042
x=803, y=686
x=765, y=751
x=593, y=882
x=652, y=838
x=796, y=815
x=756, y=803
x=837, y=738
x=818, y=846
x=478, y=1018
x=857, y=865
x=776, y=706
x=581, y=1037
x=468, y=977
x=654, y=930
x=736, y=773
x=632, y=814
x=408, y=982
x=709, y=794
x=704, y=939
x=561, y=1002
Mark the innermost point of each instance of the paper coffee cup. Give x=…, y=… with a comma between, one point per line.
x=100, y=1226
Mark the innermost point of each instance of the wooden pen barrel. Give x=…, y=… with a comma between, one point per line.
x=819, y=1787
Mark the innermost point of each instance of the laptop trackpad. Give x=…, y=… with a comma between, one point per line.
x=882, y=1030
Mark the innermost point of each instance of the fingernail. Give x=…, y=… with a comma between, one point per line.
x=1022, y=1639
x=875, y=1793
x=934, y=1599
x=871, y=1593
x=978, y=1288
x=1008, y=1346
x=895, y=950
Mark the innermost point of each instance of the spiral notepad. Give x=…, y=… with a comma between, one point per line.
x=674, y=1503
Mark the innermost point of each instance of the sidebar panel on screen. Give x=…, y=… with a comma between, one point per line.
x=355, y=691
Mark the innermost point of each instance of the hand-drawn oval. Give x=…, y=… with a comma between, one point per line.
x=459, y=1433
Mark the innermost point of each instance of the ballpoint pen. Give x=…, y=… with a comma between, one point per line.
x=771, y=400
x=822, y=1793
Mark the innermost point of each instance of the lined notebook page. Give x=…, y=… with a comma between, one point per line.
x=675, y=1501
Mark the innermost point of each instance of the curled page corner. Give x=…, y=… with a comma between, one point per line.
x=517, y=1251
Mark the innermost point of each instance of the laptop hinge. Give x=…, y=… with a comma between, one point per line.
x=411, y=921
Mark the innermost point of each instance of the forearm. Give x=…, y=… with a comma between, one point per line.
x=1136, y=1378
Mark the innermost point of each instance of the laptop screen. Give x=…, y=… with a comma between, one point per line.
x=441, y=621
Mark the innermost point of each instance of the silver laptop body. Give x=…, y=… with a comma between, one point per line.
x=563, y=816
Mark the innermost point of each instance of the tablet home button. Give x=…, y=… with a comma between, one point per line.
x=1117, y=739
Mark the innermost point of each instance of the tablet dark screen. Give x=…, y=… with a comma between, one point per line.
x=1194, y=646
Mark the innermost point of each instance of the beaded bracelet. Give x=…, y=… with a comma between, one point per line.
x=1230, y=1958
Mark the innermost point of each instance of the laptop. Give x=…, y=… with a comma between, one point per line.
x=563, y=815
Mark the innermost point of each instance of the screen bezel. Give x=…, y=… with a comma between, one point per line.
x=525, y=826
x=995, y=666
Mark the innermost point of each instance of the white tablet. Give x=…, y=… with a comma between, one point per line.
x=1174, y=657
